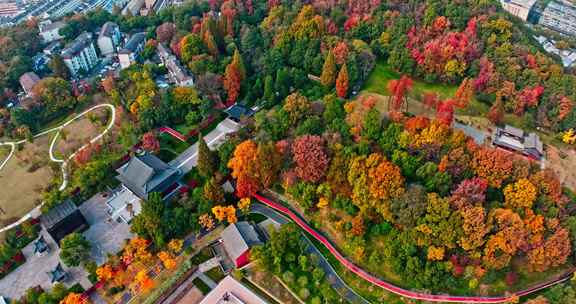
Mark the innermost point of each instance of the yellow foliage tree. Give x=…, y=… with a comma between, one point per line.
x=206, y=221
x=435, y=253
x=569, y=137
x=244, y=205
x=520, y=194
x=175, y=245
x=322, y=203
x=143, y=280
x=167, y=260
x=219, y=212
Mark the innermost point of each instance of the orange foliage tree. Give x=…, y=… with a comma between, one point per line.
x=143, y=280
x=553, y=252
x=342, y=82
x=244, y=165
x=104, y=272
x=492, y=165
x=74, y=298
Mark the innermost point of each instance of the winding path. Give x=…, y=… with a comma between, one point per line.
x=64, y=162
x=393, y=288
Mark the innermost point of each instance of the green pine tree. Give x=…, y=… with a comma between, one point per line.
x=206, y=159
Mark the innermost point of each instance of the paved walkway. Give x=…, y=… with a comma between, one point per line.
x=188, y=159
x=13, y=144
x=398, y=290
x=107, y=236
x=333, y=278
x=35, y=272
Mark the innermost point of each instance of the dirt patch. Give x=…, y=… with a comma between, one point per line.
x=80, y=132
x=194, y=295
x=563, y=162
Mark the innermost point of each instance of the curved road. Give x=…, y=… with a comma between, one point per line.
x=393, y=288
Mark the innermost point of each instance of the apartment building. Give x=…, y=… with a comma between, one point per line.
x=109, y=38
x=80, y=55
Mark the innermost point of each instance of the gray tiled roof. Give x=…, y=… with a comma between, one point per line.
x=144, y=173
x=52, y=26
x=238, y=238
x=57, y=214
x=133, y=43
x=108, y=29
x=81, y=42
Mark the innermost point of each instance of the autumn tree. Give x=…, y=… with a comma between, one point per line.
x=328, y=76
x=474, y=228
x=398, y=88
x=342, y=82
x=244, y=205
x=520, y=194
x=104, y=272
x=445, y=112
x=297, y=106
x=232, y=79
x=244, y=163
x=165, y=32
x=552, y=253
x=238, y=62
x=74, y=298
x=464, y=93
x=493, y=165
x=150, y=142
x=358, y=227
x=213, y=191
x=206, y=221
x=269, y=163
x=496, y=112
x=311, y=158
x=144, y=281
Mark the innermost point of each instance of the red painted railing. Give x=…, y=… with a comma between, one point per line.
x=390, y=287
x=172, y=132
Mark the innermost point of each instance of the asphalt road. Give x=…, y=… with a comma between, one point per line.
x=188, y=159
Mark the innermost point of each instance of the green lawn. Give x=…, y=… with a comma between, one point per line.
x=215, y=274
x=382, y=74
x=171, y=143
x=205, y=289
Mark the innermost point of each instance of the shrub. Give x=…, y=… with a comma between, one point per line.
x=288, y=277
x=303, y=281
x=304, y=293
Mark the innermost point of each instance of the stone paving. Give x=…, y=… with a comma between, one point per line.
x=107, y=236
x=35, y=272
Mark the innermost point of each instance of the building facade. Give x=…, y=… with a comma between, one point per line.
x=109, y=38
x=518, y=8
x=176, y=72
x=132, y=50
x=81, y=54
x=50, y=31
x=560, y=17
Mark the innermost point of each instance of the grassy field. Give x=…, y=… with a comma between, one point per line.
x=21, y=181
x=382, y=74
